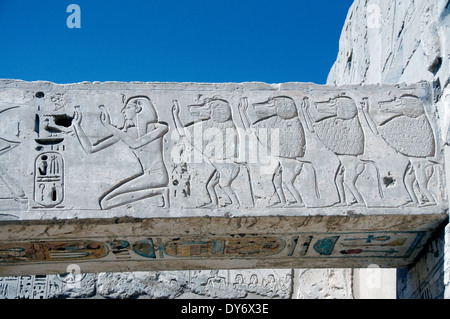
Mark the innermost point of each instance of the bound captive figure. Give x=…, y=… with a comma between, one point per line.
x=144, y=136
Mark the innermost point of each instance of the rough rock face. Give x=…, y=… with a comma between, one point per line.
x=397, y=42
x=393, y=41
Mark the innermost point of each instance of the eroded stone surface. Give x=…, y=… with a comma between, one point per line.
x=230, y=284
x=324, y=284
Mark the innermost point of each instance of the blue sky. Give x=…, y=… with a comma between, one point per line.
x=171, y=41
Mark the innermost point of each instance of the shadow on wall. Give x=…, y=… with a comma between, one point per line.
x=426, y=278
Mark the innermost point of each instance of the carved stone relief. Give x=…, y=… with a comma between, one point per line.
x=403, y=124
x=223, y=150
x=11, y=192
x=197, y=151
x=218, y=146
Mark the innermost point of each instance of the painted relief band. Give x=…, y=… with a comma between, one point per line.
x=52, y=251
x=295, y=246
x=225, y=247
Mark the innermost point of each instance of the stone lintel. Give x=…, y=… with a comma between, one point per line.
x=171, y=176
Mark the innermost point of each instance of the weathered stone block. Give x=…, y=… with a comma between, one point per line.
x=160, y=176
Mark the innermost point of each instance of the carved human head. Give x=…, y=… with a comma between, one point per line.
x=139, y=104
x=140, y=111
x=239, y=278
x=253, y=279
